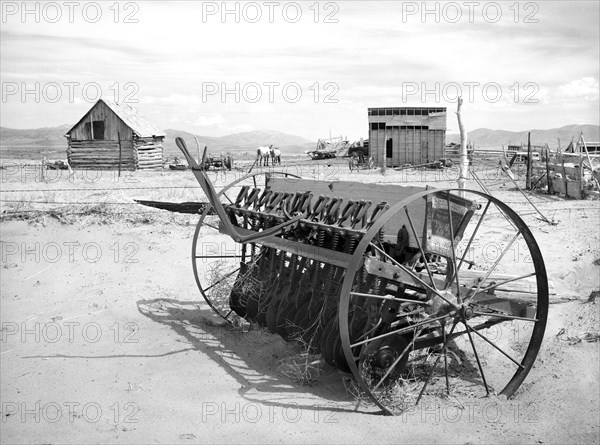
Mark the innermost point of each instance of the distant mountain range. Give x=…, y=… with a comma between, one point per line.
x=239, y=143
x=486, y=138
x=35, y=143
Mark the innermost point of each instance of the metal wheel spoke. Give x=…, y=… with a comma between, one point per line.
x=218, y=256
x=400, y=331
x=502, y=315
x=487, y=390
x=505, y=217
x=459, y=299
x=228, y=198
x=506, y=249
x=435, y=364
x=413, y=275
x=473, y=236
x=385, y=297
x=211, y=226
x=221, y=279
x=494, y=345
x=391, y=368
x=446, y=364
x=412, y=227
x=510, y=280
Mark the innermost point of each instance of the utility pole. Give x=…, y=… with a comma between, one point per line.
x=464, y=161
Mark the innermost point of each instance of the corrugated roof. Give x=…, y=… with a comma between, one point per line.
x=141, y=126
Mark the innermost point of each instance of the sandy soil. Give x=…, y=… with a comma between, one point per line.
x=105, y=337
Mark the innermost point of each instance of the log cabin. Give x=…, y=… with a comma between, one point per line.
x=407, y=135
x=114, y=135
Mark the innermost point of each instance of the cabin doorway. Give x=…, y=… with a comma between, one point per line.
x=389, y=152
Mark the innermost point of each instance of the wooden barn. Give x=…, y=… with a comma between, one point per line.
x=114, y=135
x=407, y=135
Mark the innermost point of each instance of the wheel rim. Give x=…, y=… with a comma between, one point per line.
x=448, y=341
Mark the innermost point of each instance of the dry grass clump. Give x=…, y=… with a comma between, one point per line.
x=304, y=366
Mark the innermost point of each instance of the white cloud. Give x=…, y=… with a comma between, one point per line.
x=209, y=120
x=584, y=89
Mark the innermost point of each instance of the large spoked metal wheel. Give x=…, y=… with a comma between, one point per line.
x=462, y=310
x=223, y=268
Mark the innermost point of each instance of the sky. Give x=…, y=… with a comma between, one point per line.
x=306, y=68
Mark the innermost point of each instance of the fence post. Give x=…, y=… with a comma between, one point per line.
x=529, y=163
x=548, y=179
x=119, y=140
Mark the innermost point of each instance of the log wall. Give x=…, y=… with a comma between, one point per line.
x=149, y=153
x=96, y=154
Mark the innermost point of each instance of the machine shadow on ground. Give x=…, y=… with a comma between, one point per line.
x=251, y=358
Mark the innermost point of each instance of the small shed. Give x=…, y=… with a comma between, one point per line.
x=407, y=135
x=114, y=135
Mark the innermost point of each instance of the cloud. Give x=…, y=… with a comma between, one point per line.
x=585, y=89
x=209, y=120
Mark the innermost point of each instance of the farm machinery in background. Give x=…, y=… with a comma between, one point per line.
x=219, y=162
x=338, y=147
x=392, y=284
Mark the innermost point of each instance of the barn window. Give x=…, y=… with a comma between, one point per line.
x=98, y=133
x=98, y=130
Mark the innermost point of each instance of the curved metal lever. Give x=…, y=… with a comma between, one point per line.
x=213, y=198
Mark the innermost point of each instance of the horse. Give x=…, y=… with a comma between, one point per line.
x=262, y=155
x=275, y=155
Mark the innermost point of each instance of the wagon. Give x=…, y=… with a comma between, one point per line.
x=414, y=292
x=360, y=161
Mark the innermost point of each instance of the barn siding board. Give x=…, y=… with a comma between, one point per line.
x=431, y=154
x=437, y=122
x=425, y=147
x=418, y=134
x=112, y=124
x=403, y=153
x=396, y=146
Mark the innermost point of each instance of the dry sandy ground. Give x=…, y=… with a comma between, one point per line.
x=105, y=338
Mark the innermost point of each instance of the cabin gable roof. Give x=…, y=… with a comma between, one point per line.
x=140, y=126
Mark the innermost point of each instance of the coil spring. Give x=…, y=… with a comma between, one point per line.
x=321, y=238
x=331, y=272
x=381, y=234
x=352, y=242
